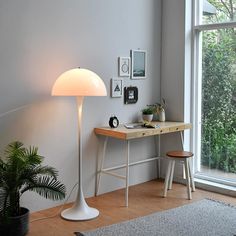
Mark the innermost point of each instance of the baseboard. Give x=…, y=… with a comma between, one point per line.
x=210, y=186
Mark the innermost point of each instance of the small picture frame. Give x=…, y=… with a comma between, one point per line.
x=116, y=87
x=130, y=95
x=124, y=66
x=139, y=64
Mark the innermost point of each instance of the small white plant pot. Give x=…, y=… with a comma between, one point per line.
x=147, y=118
x=162, y=116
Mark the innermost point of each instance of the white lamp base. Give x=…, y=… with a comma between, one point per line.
x=81, y=213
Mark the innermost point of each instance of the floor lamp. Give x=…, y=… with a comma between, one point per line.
x=79, y=83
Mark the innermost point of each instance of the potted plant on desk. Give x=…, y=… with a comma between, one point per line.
x=21, y=171
x=148, y=114
x=159, y=109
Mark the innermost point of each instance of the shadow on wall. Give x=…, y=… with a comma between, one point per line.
x=38, y=122
x=51, y=125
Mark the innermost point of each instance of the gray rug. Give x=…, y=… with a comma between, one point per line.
x=203, y=218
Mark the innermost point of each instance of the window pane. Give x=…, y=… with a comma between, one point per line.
x=218, y=143
x=218, y=11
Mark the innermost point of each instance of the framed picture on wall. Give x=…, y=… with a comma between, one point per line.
x=139, y=64
x=116, y=87
x=130, y=95
x=124, y=66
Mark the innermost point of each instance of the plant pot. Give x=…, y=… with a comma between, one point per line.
x=147, y=118
x=162, y=116
x=16, y=225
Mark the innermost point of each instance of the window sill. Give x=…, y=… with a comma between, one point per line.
x=215, y=187
x=211, y=186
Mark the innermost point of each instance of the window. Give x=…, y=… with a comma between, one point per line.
x=215, y=89
x=216, y=11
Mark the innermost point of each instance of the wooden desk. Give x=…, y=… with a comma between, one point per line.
x=127, y=135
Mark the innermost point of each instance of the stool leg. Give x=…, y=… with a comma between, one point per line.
x=187, y=178
x=171, y=174
x=191, y=178
x=167, y=177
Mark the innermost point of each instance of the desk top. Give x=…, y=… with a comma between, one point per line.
x=123, y=133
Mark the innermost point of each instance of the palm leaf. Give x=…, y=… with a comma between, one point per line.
x=38, y=170
x=2, y=164
x=14, y=149
x=4, y=201
x=3, y=168
x=47, y=187
x=32, y=157
x=30, y=175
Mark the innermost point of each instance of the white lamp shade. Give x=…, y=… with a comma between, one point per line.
x=79, y=82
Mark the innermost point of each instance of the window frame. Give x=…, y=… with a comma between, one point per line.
x=197, y=88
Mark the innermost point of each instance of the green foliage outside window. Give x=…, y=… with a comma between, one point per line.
x=219, y=96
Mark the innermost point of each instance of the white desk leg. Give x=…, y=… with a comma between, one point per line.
x=182, y=139
x=101, y=165
x=159, y=155
x=127, y=175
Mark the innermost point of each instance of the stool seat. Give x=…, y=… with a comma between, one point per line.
x=179, y=154
x=182, y=156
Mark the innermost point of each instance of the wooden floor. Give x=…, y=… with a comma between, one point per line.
x=144, y=199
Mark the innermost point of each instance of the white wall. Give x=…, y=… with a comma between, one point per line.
x=176, y=70
x=40, y=40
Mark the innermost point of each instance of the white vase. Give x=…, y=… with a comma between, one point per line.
x=162, y=116
x=147, y=118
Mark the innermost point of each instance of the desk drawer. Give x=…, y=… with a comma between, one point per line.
x=140, y=134
x=146, y=133
x=176, y=129
x=163, y=130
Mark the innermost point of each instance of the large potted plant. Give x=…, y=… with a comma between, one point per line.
x=21, y=170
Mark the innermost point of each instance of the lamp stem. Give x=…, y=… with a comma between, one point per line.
x=80, y=210
x=80, y=108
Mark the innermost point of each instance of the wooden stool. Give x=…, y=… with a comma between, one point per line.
x=181, y=156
